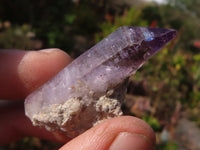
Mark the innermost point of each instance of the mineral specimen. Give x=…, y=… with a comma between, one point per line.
x=92, y=87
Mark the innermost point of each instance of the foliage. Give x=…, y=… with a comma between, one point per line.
x=173, y=74
x=18, y=37
x=153, y=122
x=132, y=17
x=56, y=23
x=167, y=146
x=175, y=15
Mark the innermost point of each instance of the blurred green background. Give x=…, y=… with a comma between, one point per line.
x=164, y=92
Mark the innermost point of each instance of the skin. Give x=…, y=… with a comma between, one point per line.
x=21, y=72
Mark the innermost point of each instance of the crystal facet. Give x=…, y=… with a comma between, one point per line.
x=91, y=88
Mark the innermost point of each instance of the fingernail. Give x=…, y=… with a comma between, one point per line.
x=130, y=141
x=49, y=50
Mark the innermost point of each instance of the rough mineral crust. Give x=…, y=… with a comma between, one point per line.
x=92, y=87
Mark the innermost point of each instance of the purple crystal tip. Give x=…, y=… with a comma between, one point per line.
x=151, y=39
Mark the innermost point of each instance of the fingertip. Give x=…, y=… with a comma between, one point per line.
x=102, y=136
x=58, y=53
x=37, y=67
x=128, y=124
x=21, y=72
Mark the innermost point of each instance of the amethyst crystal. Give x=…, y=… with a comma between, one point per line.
x=91, y=88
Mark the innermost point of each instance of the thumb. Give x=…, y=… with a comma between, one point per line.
x=122, y=133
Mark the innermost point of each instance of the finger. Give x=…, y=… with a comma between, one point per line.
x=122, y=133
x=14, y=125
x=21, y=72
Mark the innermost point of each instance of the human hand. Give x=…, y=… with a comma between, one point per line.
x=21, y=72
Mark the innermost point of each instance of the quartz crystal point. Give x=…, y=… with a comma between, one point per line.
x=91, y=88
